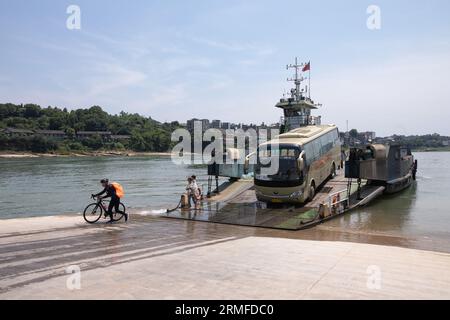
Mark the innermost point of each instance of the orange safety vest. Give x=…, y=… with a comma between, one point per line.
x=119, y=189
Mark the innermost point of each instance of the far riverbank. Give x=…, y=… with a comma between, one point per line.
x=127, y=153
x=14, y=154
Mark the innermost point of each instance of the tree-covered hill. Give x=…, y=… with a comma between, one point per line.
x=142, y=133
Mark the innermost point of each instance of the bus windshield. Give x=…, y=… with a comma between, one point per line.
x=287, y=168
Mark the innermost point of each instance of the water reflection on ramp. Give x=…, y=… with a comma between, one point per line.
x=28, y=258
x=255, y=214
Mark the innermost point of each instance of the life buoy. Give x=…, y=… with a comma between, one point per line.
x=335, y=201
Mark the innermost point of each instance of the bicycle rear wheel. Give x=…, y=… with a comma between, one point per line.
x=118, y=216
x=93, y=213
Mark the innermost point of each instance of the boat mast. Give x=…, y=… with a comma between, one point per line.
x=297, y=108
x=309, y=80
x=297, y=80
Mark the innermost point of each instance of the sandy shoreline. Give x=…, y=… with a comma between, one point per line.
x=19, y=155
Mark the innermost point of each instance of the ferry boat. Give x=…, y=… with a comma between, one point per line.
x=308, y=153
x=306, y=180
x=392, y=166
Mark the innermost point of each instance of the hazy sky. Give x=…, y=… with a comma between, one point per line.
x=175, y=60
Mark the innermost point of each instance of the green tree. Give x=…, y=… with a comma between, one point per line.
x=146, y=133
x=138, y=142
x=353, y=133
x=32, y=111
x=95, y=142
x=70, y=133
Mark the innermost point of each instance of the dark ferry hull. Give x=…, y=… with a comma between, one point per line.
x=399, y=184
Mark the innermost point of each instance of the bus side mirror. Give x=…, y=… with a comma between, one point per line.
x=247, y=162
x=301, y=162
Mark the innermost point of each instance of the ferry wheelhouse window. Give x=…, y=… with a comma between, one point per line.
x=404, y=152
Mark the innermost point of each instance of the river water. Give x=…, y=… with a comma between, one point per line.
x=51, y=186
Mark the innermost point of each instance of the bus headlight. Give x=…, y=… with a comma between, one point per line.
x=296, y=194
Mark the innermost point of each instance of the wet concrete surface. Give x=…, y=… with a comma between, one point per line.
x=255, y=214
x=237, y=204
x=35, y=252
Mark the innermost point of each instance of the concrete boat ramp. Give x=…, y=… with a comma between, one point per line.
x=156, y=258
x=153, y=257
x=237, y=204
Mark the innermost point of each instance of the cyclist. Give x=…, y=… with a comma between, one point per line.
x=110, y=192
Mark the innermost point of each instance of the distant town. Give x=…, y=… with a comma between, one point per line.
x=351, y=138
x=222, y=125
x=32, y=128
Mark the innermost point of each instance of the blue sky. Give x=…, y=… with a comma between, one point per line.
x=174, y=60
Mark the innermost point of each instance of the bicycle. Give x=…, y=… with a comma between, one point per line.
x=94, y=211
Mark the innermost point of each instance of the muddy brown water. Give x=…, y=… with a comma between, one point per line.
x=417, y=217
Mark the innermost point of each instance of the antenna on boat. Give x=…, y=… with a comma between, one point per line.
x=297, y=108
x=297, y=80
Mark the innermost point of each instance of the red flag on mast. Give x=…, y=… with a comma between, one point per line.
x=307, y=67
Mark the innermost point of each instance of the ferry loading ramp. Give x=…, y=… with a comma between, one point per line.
x=236, y=204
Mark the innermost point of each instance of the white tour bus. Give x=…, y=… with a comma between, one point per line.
x=307, y=157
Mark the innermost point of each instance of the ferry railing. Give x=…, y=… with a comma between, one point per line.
x=338, y=201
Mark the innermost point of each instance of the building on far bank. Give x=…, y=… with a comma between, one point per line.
x=117, y=137
x=60, y=134
x=216, y=124
x=190, y=124
x=105, y=135
x=13, y=132
x=223, y=125
x=57, y=134
x=274, y=125
x=367, y=136
x=205, y=124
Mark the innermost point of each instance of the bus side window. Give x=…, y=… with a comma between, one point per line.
x=317, y=148
x=309, y=153
x=323, y=144
x=327, y=143
x=336, y=137
x=331, y=139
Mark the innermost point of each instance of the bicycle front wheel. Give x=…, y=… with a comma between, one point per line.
x=93, y=213
x=118, y=216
